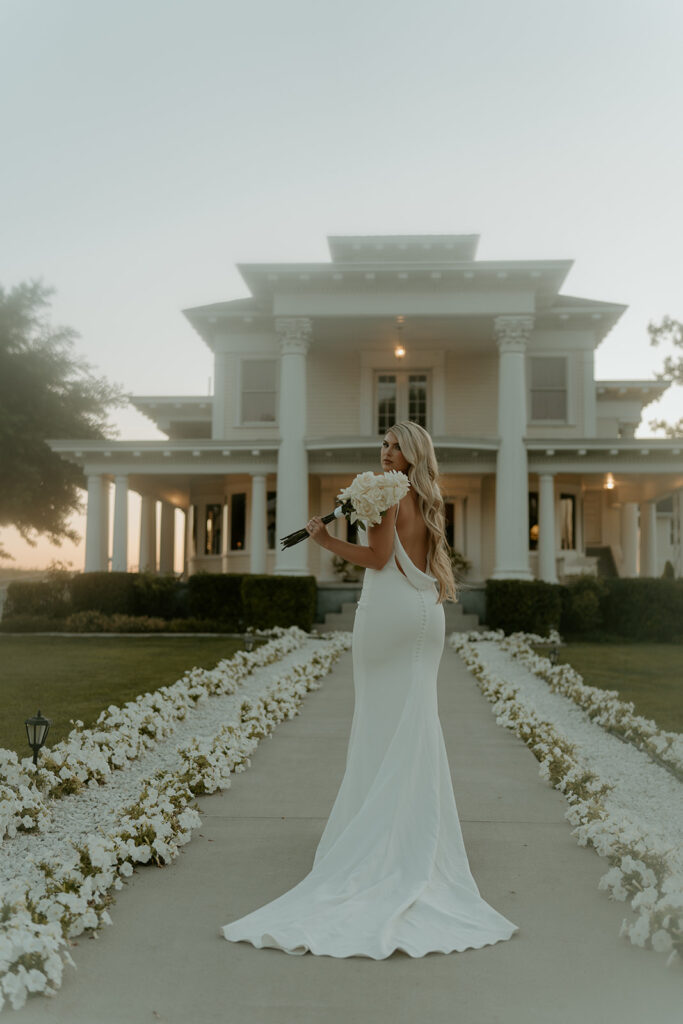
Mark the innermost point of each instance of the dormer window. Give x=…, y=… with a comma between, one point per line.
x=548, y=388
x=400, y=395
x=258, y=392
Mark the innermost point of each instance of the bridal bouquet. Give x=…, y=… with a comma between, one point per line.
x=368, y=497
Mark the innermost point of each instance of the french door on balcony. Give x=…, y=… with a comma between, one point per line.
x=401, y=395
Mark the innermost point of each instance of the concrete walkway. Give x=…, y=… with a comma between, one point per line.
x=164, y=959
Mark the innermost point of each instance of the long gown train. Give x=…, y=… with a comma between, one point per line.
x=390, y=871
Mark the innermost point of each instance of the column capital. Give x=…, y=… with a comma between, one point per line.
x=512, y=332
x=294, y=333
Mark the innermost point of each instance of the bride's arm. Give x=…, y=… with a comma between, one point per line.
x=374, y=555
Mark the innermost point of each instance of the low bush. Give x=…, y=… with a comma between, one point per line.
x=112, y=593
x=644, y=609
x=582, y=605
x=531, y=606
x=49, y=598
x=218, y=597
x=270, y=601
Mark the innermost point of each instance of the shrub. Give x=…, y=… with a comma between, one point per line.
x=217, y=596
x=108, y=592
x=582, y=605
x=96, y=622
x=644, y=609
x=49, y=598
x=279, y=601
x=156, y=596
x=31, y=624
x=532, y=606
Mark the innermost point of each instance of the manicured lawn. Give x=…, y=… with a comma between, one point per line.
x=77, y=677
x=650, y=675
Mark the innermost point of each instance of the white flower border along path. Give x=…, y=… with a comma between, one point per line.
x=624, y=803
x=56, y=880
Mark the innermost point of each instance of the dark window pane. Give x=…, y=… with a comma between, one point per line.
x=417, y=399
x=450, y=523
x=386, y=402
x=271, y=502
x=567, y=522
x=258, y=374
x=258, y=406
x=533, y=520
x=238, y=504
x=214, y=529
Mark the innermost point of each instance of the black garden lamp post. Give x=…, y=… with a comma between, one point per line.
x=37, y=729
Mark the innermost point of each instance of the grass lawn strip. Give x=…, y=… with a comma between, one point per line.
x=621, y=803
x=604, y=707
x=120, y=735
x=66, y=885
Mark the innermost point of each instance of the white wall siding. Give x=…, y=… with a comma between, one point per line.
x=333, y=388
x=471, y=406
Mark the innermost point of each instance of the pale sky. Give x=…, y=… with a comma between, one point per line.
x=149, y=146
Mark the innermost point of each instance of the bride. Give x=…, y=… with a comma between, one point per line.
x=390, y=871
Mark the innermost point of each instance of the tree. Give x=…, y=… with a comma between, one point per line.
x=46, y=391
x=668, y=331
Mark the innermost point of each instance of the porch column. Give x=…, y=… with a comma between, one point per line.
x=167, y=538
x=648, y=538
x=512, y=543
x=292, y=464
x=258, y=523
x=148, y=534
x=96, y=525
x=119, y=562
x=189, y=552
x=629, y=538
x=104, y=534
x=546, y=528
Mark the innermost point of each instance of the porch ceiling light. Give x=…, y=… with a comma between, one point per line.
x=399, y=348
x=609, y=482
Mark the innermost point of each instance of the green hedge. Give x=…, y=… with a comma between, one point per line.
x=47, y=598
x=279, y=601
x=644, y=609
x=112, y=593
x=530, y=606
x=589, y=607
x=217, y=596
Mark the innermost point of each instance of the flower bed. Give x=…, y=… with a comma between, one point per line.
x=120, y=735
x=69, y=888
x=621, y=802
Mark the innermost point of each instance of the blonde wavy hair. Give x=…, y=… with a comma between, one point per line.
x=423, y=473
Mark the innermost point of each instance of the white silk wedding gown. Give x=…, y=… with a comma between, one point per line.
x=390, y=871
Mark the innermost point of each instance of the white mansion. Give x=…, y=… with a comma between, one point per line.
x=541, y=472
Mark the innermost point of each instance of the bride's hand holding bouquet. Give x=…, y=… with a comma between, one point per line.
x=367, y=499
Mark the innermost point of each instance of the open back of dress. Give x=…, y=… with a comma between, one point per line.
x=390, y=871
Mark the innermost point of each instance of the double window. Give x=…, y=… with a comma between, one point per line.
x=548, y=388
x=400, y=395
x=259, y=391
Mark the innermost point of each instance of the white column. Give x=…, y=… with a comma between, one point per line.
x=629, y=538
x=167, y=538
x=648, y=538
x=104, y=532
x=189, y=551
x=225, y=537
x=512, y=508
x=292, y=463
x=120, y=553
x=546, y=528
x=258, y=523
x=95, y=532
x=148, y=534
